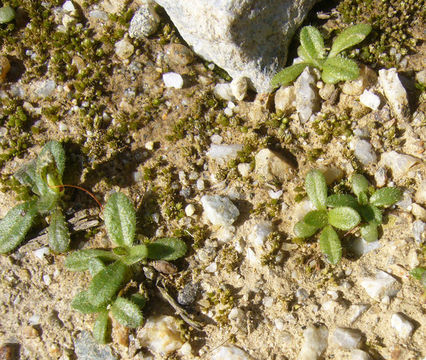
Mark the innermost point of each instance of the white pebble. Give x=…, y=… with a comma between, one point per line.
x=124, y=49
x=173, y=80
x=200, y=185
x=347, y=338
x=47, y=280
x=224, y=151
x=314, y=343
x=41, y=253
x=244, y=169
x=69, y=7
x=190, y=210
x=381, y=285
x=402, y=325
x=229, y=352
x=149, y=145
x=369, y=99
x=357, y=354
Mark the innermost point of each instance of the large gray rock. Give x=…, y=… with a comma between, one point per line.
x=247, y=38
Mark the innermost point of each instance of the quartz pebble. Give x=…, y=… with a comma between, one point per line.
x=259, y=233
x=420, y=196
x=239, y=88
x=398, y=163
x=364, y=152
x=347, y=338
x=355, y=311
x=381, y=285
x=314, y=343
x=145, y=21
x=307, y=99
x=224, y=151
x=271, y=166
x=219, y=210
x=244, y=169
x=189, y=210
x=45, y=88
x=224, y=92
x=99, y=15
x=357, y=354
x=86, y=348
x=285, y=99
x=178, y=54
x=124, y=48
x=229, y=352
x=403, y=326
x=394, y=92
x=360, y=247
x=380, y=177
x=161, y=335
x=173, y=80
x=419, y=231
x=369, y=99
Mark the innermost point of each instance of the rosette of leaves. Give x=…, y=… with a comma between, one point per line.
x=112, y=269
x=43, y=176
x=334, y=68
x=341, y=217
x=367, y=206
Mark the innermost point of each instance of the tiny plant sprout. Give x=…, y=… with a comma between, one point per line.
x=44, y=177
x=112, y=269
x=334, y=68
x=7, y=14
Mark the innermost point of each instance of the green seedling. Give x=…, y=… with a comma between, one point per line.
x=7, y=14
x=341, y=217
x=44, y=178
x=112, y=269
x=334, y=68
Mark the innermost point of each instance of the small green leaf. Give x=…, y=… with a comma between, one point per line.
x=343, y=218
x=288, y=74
x=56, y=150
x=106, y=283
x=349, y=37
x=342, y=200
x=136, y=254
x=316, y=218
x=370, y=213
x=79, y=260
x=359, y=184
x=120, y=219
x=316, y=188
x=95, y=265
x=303, y=230
x=102, y=328
x=82, y=304
x=166, y=249
x=15, y=225
x=59, y=236
x=7, y=14
x=370, y=232
x=312, y=44
x=47, y=202
x=337, y=69
x=363, y=198
x=417, y=273
x=126, y=313
x=27, y=176
x=330, y=245
x=386, y=196
x=139, y=299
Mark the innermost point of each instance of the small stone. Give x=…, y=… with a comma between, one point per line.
x=99, y=15
x=355, y=311
x=41, y=253
x=357, y=354
x=403, y=326
x=173, y=80
x=47, y=280
x=380, y=177
x=259, y=233
x=307, y=99
x=364, y=152
x=145, y=21
x=418, y=212
x=30, y=332
x=398, y=163
x=314, y=343
x=189, y=210
x=45, y=88
x=421, y=77
x=229, y=352
x=421, y=193
x=367, y=77
x=150, y=145
x=224, y=92
x=381, y=285
x=405, y=203
x=9, y=351
x=271, y=166
x=347, y=338
x=419, y=231
x=178, y=54
x=200, y=185
x=331, y=174
x=224, y=151
x=188, y=294
x=326, y=92
x=4, y=68
x=124, y=48
x=161, y=335
x=86, y=348
x=219, y=210
x=285, y=99
x=239, y=88
x=301, y=295
x=275, y=194
x=361, y=247
x=244, y=169
x=237, y=315
x=69, y=7
x=369, y=99
x=394, y=92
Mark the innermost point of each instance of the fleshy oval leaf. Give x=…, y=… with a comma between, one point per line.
x=343, y=218
x=330, y=245
x=288, y=74
x=337, y=69
x=370, y=213
x=359, y=184
x=386, y=196
x=126, y=312
x=81, y=303
x=349, y=37
x=95, y=265
x=370, y=232
x=102, y=328
x=79, y=260
x=166, y=249
x=120, y=219
x=312, y=43
x=316, y=218
x=303, y=230
x=106, y=283
x=316, y=188
x=15, y=225
x=337, y=200
x=58, y=234
x=136, y=254
x=7, y=14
